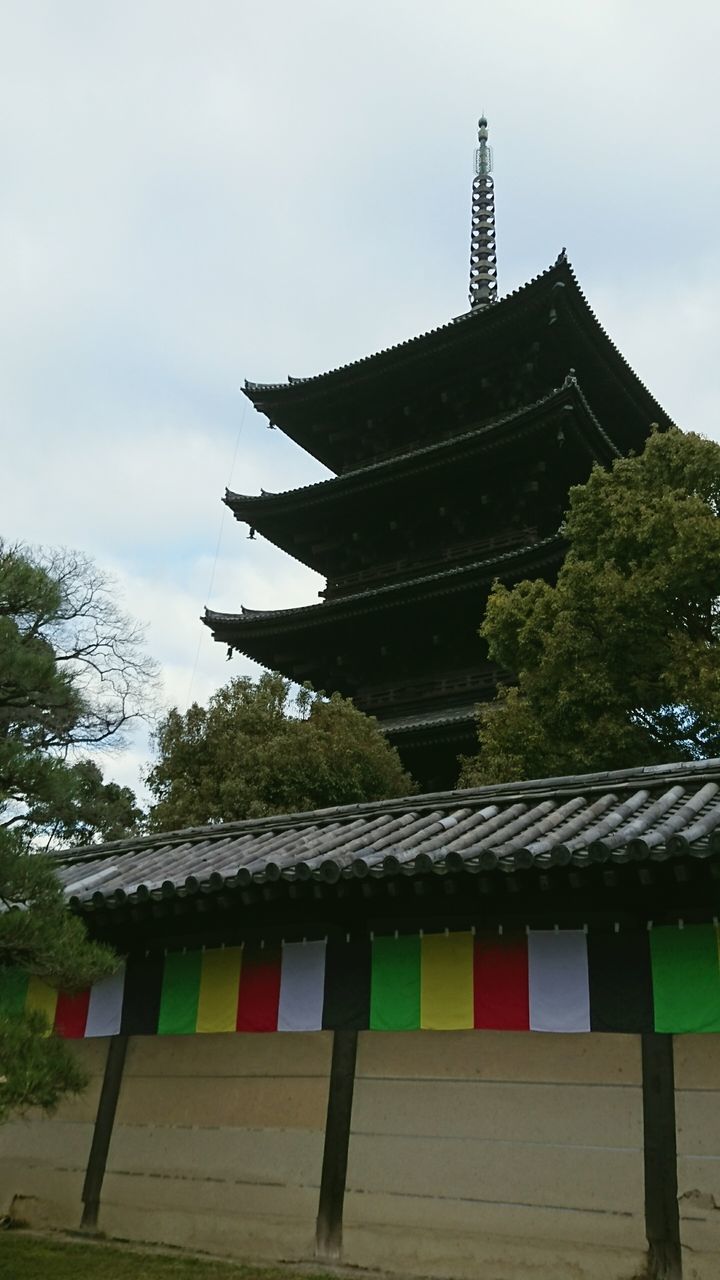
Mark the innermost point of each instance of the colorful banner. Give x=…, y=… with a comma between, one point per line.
x=302, y=987
x=259, y=989
x=558, y=981
x=219, y=985
x=446, y=982
x=501, y=995
x=685, y=978
x=104, y=1014
x=666, y=979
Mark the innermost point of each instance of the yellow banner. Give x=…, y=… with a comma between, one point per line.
x=219, y=980
x=446, y=993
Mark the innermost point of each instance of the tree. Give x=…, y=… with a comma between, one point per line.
x=38, y=936
x=72, y=675
x=84, y=809
x=618, y=664
x=253, y=751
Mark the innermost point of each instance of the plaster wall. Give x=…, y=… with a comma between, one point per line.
x=43, y=1161
x=218, y=1143
x=697, y=1109
x=514, y=1155
x=506, y=1155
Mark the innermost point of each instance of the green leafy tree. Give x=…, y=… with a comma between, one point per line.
x=618, y=664
x=73, y=674
x=254, y=751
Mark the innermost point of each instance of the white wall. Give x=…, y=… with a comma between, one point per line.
x=697, y=1105
x=497, y=1154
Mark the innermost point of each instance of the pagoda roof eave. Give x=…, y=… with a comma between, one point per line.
x=251, y=508
x=256, y=622
x=401, y=725
x=411, y=348
x=266, y=396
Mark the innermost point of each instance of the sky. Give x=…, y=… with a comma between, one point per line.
x=195, y=192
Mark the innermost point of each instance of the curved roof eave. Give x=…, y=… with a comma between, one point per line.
x=265, y=394
x=247, y=507
x=430, y=720
x=389, y=595
x=614, y=349
x=410, y=348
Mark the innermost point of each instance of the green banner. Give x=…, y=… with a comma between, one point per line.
x=180, y=994
x=686, y=978
x=395, y=984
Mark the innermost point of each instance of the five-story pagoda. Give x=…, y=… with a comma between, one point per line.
x=453, y=455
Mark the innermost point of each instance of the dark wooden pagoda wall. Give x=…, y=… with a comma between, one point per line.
x=419, y=407
x=371, y=657
x=468, y=509
x=433, y=754
x=451, y=401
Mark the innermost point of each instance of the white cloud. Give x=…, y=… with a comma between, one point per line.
x=672, y=327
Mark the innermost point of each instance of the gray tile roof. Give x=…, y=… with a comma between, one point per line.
x=630, y=815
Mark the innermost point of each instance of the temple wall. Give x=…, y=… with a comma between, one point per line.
x=513, y=1155
x=697, y=1105
x=43, y=1162
x=218, y=1143
x=506, y=1155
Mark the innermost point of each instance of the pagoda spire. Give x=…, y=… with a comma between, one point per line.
x=483, y=260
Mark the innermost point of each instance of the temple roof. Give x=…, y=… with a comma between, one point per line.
x=430, y=720
x=417, y=348
x=492, y=435
x=257, y=621
x=306, y=408
x=634, y=816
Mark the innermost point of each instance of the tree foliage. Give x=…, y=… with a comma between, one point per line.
x=618, y=664
x=35, y=1069
x=38, y=935
x=73, y=673
x=253, y=751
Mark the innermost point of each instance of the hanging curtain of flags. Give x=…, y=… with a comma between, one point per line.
x=665, y=979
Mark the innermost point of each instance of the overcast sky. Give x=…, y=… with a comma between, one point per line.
x=194, y=192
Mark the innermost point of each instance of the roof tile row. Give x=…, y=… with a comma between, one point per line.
x=655, y=813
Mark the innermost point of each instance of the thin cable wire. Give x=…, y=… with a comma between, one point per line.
x=218, y=543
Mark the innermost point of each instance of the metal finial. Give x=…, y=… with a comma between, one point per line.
x=483, y=260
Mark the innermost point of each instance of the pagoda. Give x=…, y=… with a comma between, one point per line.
x=453, y=456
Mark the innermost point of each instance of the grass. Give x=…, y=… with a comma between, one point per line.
x=38, y=1258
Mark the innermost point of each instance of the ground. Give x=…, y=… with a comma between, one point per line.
x=28, y=1257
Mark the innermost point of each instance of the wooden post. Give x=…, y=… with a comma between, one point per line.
x=328, y=1235
x=104, y=1121
x=662, y=1219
